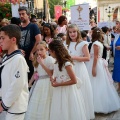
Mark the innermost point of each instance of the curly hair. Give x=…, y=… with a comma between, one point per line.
x=61, y=19
x=35, y=63
x=78, y=39
x=62, y=55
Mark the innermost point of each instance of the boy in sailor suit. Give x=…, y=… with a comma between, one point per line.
x=13, y=75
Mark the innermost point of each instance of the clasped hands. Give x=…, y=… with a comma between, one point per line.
x=53, y=82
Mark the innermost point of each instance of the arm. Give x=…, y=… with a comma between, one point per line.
x=37, y=40
x=117, y=47
x=73, y=79
x=31, y=80
x=96, y=49
x=48, y=71
x=86, y=56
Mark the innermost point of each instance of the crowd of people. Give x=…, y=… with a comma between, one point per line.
x=55, y=71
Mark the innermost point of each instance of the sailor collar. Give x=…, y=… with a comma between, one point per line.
x=8, y=57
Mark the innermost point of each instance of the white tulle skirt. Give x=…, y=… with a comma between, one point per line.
x=105, y=97
x=86, y=88
x=67, y=104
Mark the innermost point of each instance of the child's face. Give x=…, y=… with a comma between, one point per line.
x=73, y=34
x=5, y=41
x=46, y=31
x=41, y=51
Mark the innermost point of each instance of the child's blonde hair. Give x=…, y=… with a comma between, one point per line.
x=78, y=39
x=4, y=21
x=35, y=63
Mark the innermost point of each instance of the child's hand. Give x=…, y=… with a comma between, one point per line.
x=40, y=60
x=55, y=84
x=51, y=79
x=36, y=76
x=23, y=52
x=31, y=57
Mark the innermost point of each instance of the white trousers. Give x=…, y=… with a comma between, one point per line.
x=108, y=55
x=15, y=116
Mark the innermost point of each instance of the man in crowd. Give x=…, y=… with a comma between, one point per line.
x=30, y=37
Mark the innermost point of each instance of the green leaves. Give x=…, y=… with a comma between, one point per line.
x=5, y=10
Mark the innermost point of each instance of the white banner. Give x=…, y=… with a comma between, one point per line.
x=80, y=16
x=15, y=8
x=106, y=24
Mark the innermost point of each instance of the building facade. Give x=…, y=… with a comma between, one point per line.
x=108, y=10
x=92, y=3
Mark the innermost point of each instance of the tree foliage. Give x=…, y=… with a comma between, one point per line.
x=5, y=10
x=51, y=5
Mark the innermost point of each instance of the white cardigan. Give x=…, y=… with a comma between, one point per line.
x=15, y=84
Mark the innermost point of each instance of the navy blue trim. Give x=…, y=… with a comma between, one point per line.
x=11, y=55
x=4, y=107
x=1, y=68
x=17, y=113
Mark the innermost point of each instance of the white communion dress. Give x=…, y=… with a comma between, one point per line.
x=82, y=73
x=40, y=98
x=67, y=102
x=105, y=97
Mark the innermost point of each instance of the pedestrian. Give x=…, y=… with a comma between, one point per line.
x=13, y=71
x=48, y=33
x=62, y=24
x=67, y=103
x=116, y=53
x=105, y=97
x=41, y=91
x=79, y=52
x=30, y=37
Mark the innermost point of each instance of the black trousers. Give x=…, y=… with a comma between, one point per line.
x=31, y=68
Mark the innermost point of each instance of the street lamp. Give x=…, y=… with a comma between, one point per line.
x=64, y=4
x=44, y=6
x=31, y=5
x=109, y=11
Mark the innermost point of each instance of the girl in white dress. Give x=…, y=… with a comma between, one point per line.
x=79, y=52
x=105, y=96
x=41, y=91
x=67, y=103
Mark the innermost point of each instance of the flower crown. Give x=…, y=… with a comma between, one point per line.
x=98, y=31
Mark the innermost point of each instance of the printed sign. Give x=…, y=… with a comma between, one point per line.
x=80, y=16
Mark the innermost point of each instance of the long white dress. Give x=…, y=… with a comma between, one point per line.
x=40, y=99
x=67, y=102
x=105, y=96
x=82, y=73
